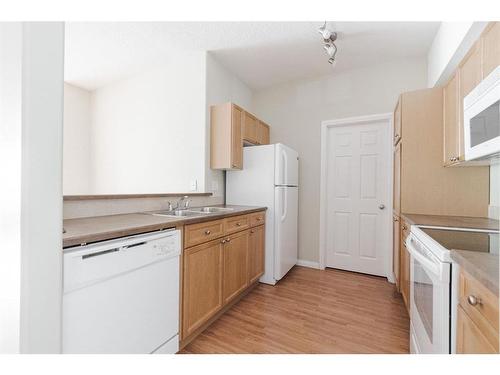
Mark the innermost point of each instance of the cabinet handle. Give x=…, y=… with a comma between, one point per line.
x=228, y=239
x=396, y=219
x=223, y=241
x=252, y=231
x=238, y=224
x=207, y=232
x=473, y=300
x=259, y=219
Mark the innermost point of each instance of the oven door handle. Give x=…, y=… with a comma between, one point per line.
x=426, y=262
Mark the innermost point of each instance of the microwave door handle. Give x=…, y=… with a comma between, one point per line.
x=428, y=264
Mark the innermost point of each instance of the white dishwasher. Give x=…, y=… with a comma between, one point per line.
x=122, y=296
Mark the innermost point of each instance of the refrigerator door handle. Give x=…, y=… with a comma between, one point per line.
x=284, y=204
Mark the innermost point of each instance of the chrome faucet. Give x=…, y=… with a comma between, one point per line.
x=178, y=206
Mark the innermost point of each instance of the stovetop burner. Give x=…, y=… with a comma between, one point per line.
x=456, y=239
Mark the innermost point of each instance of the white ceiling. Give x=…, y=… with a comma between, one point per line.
x=261, y=54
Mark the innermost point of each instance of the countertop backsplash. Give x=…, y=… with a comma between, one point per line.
x=73, y=209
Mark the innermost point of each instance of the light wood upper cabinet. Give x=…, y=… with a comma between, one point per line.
x=236, y=143
x=226, y=143
x=262, y=133
x=470, y=70
x=250, y=124
x=491, y=47
x=202, y=284
x=230, y=126
x=235, y=264
x=396, y=204
x=426, y=186
x=256, y=243
x=397, y=122
x=452, y=130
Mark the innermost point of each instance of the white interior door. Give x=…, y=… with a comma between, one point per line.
x=357, y=197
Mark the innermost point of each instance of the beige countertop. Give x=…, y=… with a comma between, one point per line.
x=452, y=221
x=482, y=266
x=100, y=228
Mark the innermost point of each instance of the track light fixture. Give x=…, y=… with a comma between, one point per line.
x=329, y=38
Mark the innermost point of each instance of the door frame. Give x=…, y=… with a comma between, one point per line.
x=354, y=121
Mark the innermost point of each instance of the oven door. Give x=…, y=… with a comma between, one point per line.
x=429, y=300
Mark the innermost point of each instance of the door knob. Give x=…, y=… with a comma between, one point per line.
x=381, y=206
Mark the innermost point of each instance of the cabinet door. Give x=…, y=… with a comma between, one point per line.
x=236, y=139
x=235, y=264
x=249, y=128
x=396, y=204
x=452, y=129
x=202, y=284
x=256, y=243
x=491, y=48
x=405, y=270
x=262, y=133
x=470, y=339
x=395, y=250
x=470, y=74
x=397, y=122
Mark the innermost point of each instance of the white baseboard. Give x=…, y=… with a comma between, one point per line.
x=308, y=263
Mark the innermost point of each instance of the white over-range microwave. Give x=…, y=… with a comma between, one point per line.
x=482, y=119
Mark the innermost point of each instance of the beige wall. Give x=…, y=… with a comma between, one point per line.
x=295, y=112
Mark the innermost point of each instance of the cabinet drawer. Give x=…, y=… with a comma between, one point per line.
x=195, y=234
x=236, y=223
x=477, y=301
x=257, y=218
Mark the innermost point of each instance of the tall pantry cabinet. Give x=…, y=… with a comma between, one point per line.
x=422, y=185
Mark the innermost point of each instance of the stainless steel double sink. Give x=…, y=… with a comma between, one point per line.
x=192, y=212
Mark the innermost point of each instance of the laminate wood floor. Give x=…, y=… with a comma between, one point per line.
x=312, y=311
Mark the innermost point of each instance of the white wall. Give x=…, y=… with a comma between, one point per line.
x=451, y=43
x=144, y=134
x=76, y=150
x=10, y=188
x=222, y=86
x=148, y=130
x=295, y=112
x=31, y=113
x=41, y=204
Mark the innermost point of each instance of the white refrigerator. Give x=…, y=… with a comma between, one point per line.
x=270, y=177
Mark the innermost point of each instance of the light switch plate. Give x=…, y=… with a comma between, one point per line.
x=193, y=185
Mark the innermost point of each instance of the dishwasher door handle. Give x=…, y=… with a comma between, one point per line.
x=99, y=253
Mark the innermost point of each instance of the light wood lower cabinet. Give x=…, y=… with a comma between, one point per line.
x=477, y=319
x=235, y=264
x=404, y=273
x=216, y=272
x=396, y=243
x=470, y=338
x=202, y=284
x=256, y=243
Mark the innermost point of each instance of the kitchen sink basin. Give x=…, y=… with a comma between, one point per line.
x=177, y=213
x=210, y=210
